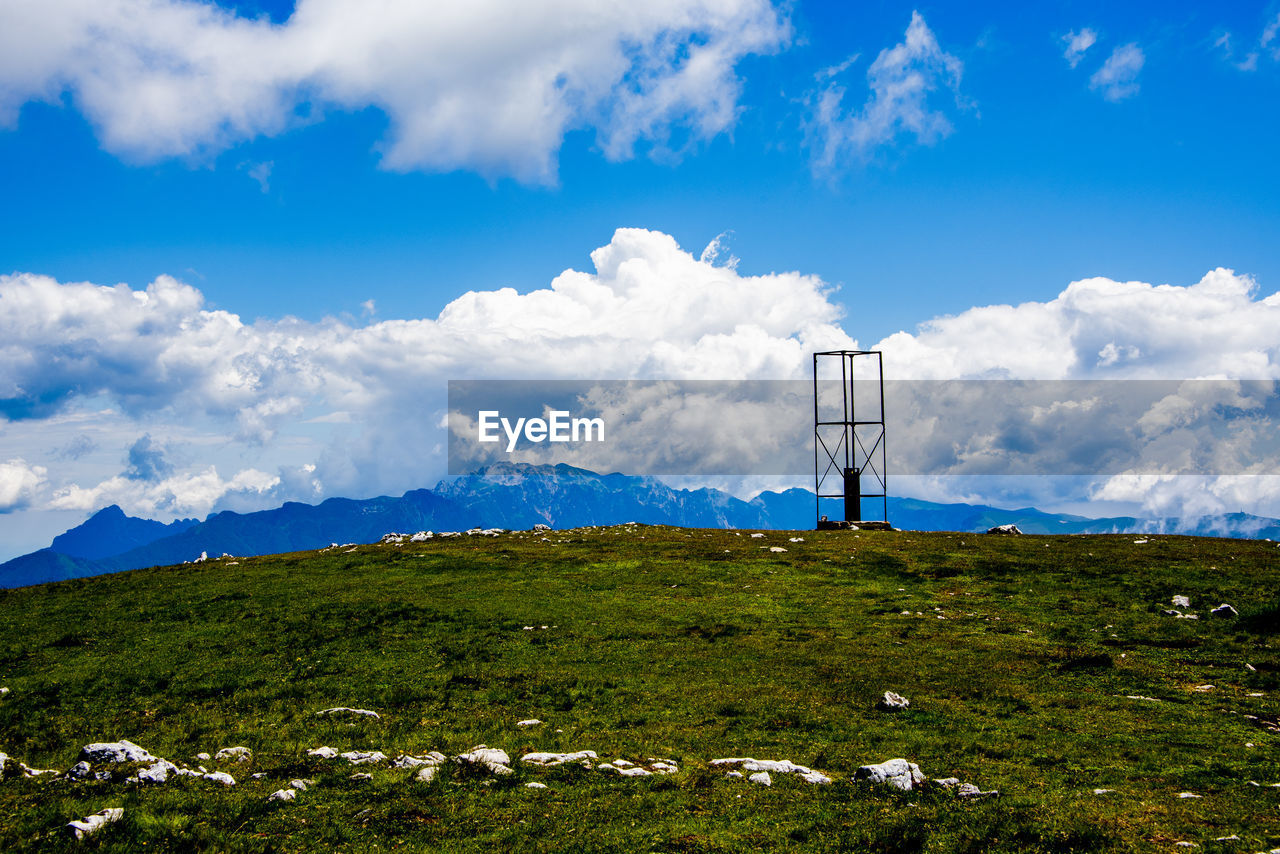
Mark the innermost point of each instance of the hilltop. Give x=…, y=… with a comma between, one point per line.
x=519, y=496
x=1057, y=671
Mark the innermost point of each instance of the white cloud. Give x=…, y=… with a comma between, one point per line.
x=492, y=85
x=901, y=79
x=1100, y=328
x=1117, y=79
x=18, y=484
x=192, y=493
x=1078, y=44
x=650, y=309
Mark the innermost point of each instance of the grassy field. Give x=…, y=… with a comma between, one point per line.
x=1020, y=656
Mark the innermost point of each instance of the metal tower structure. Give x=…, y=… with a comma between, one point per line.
x=848, y=435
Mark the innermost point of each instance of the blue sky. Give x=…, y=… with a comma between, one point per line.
x=348, y=168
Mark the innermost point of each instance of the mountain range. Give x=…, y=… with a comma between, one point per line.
x=516, y=496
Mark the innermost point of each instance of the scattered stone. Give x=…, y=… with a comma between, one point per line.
x=233, y=754
x=892, y=702
x=535, y=785
x=761, y=777
x=79, y=771
x=28, y=771
x=406, y=761
x=300, y=785
x=360, y=776
x=338, y=710
x=529, y=722
x=204, y=757
x=157, y=773
x=1140, y=542
x=784, y=766
x=82, y=827
x=549, y=760
x=283, y=795
x=625, y=772
x=1224, y=610
x=734, y=774
x=796, y=540
x=323, y=752
x=1181, y=602
x=1203, y=688
x=1186, y=795
x=4, y=692
x=776, y=549
x=898, y=773
x=357, y=757
x=757, y=536
x=663, y=767
x=426, y=774
x=1185, y=845
x=970, y=791
x=491, y=759
x=1004, y=529
x=540, y=527
x=114, y=751
x=1232, y=838
x=1103, y=791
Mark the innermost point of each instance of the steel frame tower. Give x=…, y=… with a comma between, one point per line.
x=847, y=450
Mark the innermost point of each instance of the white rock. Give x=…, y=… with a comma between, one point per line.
x=735, y=774
x=892, y=702
x=323, y=752
x=28, y=771
x=1203, y=688
x=421, y=537
x=114, y=751
x=339, y=710
x=427, y=774
x=1224, y=610
x=1004, y=529
x=635, y=772
x=4, y=692
x=661, y=767
x=968, y=790
x=1181, y=602
x=898, y=773
x=79, y=771
x=157, y=773
x=490, y=758
x=776, y=549
x=1185, y=795
x=360, y=776
x=204, y=757
x=358, y=757
x=551, y=759
x=220, y=777
x=283, y=795
x=82, y=827
x=535, y=785
x=300, y=785
x=761, y=777
x=406, y=761
x=757, y=536
x=1103, y=791
x=233, y=754
x=775, y=766
x=529, y=722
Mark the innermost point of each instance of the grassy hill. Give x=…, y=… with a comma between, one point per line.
x=1020, y=656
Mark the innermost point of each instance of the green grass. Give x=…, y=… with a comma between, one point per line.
x=685, y=644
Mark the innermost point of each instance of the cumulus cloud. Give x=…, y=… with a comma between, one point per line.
x=191, y=493
x=339, y=409
x=1102, y=328
x=649, y=309
x=18, y=484
x=492, y=86
x=1117, y=79
x=1078, y=44
x=902, y=80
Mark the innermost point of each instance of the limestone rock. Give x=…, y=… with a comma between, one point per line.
x=344, y=710
x=114, y=751
x=898, y=773
x=82, y=827
x=1181, y=602
x=234, y=754
x=892, y=702
x=1224, y=610
x=283, y=795
x=323, y=752
x=1004, y=529
x=491, y=759
x=761, y=777
x=358, y=757
x=548, y=760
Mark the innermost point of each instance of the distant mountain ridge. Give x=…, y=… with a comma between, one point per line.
x=519, y=496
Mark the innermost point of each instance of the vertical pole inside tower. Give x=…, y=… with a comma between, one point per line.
x=849, y=436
